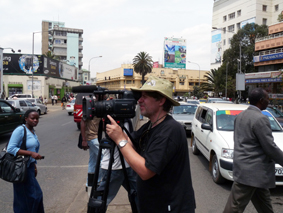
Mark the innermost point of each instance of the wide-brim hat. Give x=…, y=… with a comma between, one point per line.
x=160, y=85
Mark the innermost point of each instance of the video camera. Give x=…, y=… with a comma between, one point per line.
x=122, y=107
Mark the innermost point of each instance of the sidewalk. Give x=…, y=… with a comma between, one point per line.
x=53, y=108
x=119, y=205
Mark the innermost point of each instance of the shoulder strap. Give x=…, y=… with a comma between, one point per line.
x=23, y=146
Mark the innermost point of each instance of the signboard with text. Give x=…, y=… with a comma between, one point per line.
x=175, y=51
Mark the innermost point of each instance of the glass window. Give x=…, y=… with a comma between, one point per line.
x=5, y=108
x=128, y=81
x=238, y=26
x=276, y=7
x=274, y=125
x=231, y=15
x=182, y=83
x=224, y=42
x=23, y=103
x=224, y=18
x=191, y=84
x=209, y=117
x=264, y=21
x=225, y=119
x=202, y=115
x=224, y=30
x=231, y=28
x=239, y=12
x=184, y=109
x=264, y=8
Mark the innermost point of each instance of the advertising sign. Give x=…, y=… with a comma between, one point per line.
x=1, y=72
x=271, y=57
x=175, y=53
x=257, y=75
x=240, y=81
x=263, y=80
x=155, y=64
x=128, y=72
x=72, y=49
x=68, y=72
x=36, y=85
x=216, y=47
x=249, y=21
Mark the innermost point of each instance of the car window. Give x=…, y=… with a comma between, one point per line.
x=38, y=101
x=225, y=119
x=274, y=125
x=5, y=108
x=208, y=118
x=198, y=112
x=12, y=103
x=29, y=103
x=22, y=103
x=73, y=101
x=184, y=109
x=202, y=115
x=276, y=113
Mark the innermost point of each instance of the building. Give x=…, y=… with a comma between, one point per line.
x=268, y=60
x=125, y=78
x=231, y=15
x=65, y=43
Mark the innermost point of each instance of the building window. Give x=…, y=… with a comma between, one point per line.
x=264, y=21
x=182, y=83
x=229, y=40
x=264, y=8
x=231, y=28
x=128, y=82
x=224, y=42
x=238, y=25
x=224, y=18
x=191, y=84
x=239, y=13
x=276, y=7
x=224, y=30
x=231, y=15
x=85, y=78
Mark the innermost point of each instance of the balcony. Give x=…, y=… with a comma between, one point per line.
x=268, y=42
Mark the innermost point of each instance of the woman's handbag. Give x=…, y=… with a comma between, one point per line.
x=14, y=168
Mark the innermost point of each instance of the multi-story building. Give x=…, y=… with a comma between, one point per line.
x=63, y=42
x=125, y=78
x=231, y=15
x=268, y=60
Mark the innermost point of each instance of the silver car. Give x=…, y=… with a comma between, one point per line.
x=23, y=105
x=184, y=114
x=38, y=102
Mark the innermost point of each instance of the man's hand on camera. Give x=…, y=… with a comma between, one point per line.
x=114, y=131
x=84, y=145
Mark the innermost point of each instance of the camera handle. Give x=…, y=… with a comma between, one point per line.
x=99, y=206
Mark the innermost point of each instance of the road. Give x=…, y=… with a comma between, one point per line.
x=62, y=174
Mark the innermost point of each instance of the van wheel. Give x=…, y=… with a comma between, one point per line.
x=79, y=125
x=215, y=171
x=39, y=112
x=194, y=147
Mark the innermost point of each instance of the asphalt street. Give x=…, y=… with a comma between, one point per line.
x=62, y=174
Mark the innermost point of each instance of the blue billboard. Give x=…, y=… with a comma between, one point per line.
x=263, y=80
x=128, y=72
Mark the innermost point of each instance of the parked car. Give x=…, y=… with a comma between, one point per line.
x=184, y=114
x=70, y=107
x=38, y=102
x=211, y=100
x=277, y=114
x=10, y=117
x=202, y=101
x=191, y=101
x=20, y=96
x=212, y=135
x=223, y=102
x=23, y=105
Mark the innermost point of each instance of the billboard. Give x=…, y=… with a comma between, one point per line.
x=155, y=64
x=216, y=47
x=175, y=53
x=128, y=72
x=72, y=49
x=21, y=64
x=249, y=21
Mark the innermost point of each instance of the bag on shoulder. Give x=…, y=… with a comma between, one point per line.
x=14, y=168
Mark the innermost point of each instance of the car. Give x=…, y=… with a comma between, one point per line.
x=212, y=135
x=193, y=101
x=223, y=102
x=201, y=101
x=10, y=117
x=277, y=114
x=78, y=108
x=23, y=105
x=70, y=107
x=211, y=100
x=38, y=102
x=184, y=114
x=20, y=96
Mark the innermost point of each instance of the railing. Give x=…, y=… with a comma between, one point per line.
x=268, y=52
x=277, y=35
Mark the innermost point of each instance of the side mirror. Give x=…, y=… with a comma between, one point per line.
x=206, y=127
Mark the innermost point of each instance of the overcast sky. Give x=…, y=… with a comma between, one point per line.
x=115, y=29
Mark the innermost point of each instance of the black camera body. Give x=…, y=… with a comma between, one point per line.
x=122, y=107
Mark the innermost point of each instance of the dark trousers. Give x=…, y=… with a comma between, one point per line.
x=241, y=195
x=28, y=197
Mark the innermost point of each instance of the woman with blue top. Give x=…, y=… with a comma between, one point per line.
x=28, y=197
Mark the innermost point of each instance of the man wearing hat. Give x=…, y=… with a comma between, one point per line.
x=159, y=152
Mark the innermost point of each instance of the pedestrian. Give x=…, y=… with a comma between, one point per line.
x=159, y=152
x=255, y=154
x=56, y=99
x=63, y=100
x=28, y=195
x=89, y=132
x=52, y=100
x=45, y=101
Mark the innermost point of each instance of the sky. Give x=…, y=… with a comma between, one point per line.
x=117, y=30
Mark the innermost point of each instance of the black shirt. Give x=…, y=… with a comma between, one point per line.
x=165, y=150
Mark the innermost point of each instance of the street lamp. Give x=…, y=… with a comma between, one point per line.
x=90, y=60
x=32, y=58
x=198, y=72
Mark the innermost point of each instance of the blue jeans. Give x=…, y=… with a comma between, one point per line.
x=28, y=197
x=116, y=180
x=93, y=152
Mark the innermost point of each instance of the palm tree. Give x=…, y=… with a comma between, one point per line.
x=49, y=54
x=142, y=63
x=210, y=78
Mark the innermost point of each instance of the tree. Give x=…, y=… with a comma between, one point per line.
x=49, y=54
x=142, y=63
x=197, y=92
x=280, y=17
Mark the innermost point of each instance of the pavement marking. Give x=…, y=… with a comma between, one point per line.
x=73, y=166
x=67, y=123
